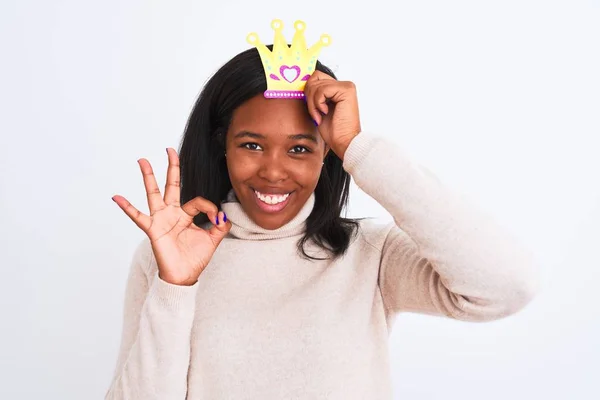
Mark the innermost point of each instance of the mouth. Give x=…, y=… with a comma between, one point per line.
x=272, y=202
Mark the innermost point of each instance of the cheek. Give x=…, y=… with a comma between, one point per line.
x=309, y=172
x=240, y=169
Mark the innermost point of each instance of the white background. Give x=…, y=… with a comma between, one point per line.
x=501, y=99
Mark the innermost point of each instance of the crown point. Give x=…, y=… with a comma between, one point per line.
x=299, y=25
x=325, y=39
x=252, y=38
x=277, y=24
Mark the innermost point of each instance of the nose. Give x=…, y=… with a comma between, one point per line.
x=273, y=168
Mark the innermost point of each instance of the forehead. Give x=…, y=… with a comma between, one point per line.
x=272, y=116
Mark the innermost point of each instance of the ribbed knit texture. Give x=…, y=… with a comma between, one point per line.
x=264, y=323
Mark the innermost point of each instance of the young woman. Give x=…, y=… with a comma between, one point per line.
x=251, y=285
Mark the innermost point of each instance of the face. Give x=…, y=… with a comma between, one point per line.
x=274, y=157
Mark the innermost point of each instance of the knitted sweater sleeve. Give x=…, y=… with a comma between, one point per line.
x=442, y=256
x=155, y=344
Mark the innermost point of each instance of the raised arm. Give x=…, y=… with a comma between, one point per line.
x=161, y=290
x=443, y=256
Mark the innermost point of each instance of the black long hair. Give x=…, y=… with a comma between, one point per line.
x=202, y=154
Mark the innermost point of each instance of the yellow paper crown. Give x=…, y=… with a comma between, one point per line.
x=287, y=68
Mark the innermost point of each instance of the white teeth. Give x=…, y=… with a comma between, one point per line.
x=271, y=199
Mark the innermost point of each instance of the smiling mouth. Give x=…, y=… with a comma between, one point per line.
x=272, y=202
x=271, y=199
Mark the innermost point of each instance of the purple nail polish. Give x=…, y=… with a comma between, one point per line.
x=224, y=217
x=316, y=123
x=217, y=219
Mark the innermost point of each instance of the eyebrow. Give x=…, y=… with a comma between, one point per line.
x=299, y=136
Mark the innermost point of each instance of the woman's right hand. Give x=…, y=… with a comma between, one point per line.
x=182, y=249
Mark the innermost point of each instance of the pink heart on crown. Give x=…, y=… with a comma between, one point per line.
x=290, y=74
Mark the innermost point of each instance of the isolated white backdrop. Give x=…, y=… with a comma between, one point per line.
x=501, y=99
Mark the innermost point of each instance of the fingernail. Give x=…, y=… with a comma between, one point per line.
x=224, y=217
x=217, y=219
x=316, y=123
x=167, y=150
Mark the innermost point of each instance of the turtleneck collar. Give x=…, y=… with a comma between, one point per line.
x=244, y=228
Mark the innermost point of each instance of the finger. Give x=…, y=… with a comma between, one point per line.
x=320, y=76
x=155, y=201
x=316, y=79
x=173, y=185
x=323, y=107
x=312, y=108
x=334, y=92
x=320, y=93
x=140, y=219
x=199, y=205
x=319, y=101
x=219, y=231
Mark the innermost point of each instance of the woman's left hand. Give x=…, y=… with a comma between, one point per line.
x=334, y=107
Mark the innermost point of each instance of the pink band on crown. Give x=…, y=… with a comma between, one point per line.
x=284, y=94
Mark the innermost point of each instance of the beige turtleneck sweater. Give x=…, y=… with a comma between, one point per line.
x=263, y=323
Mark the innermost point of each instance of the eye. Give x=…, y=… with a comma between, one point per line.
x=251, y=146
x=300, y=149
